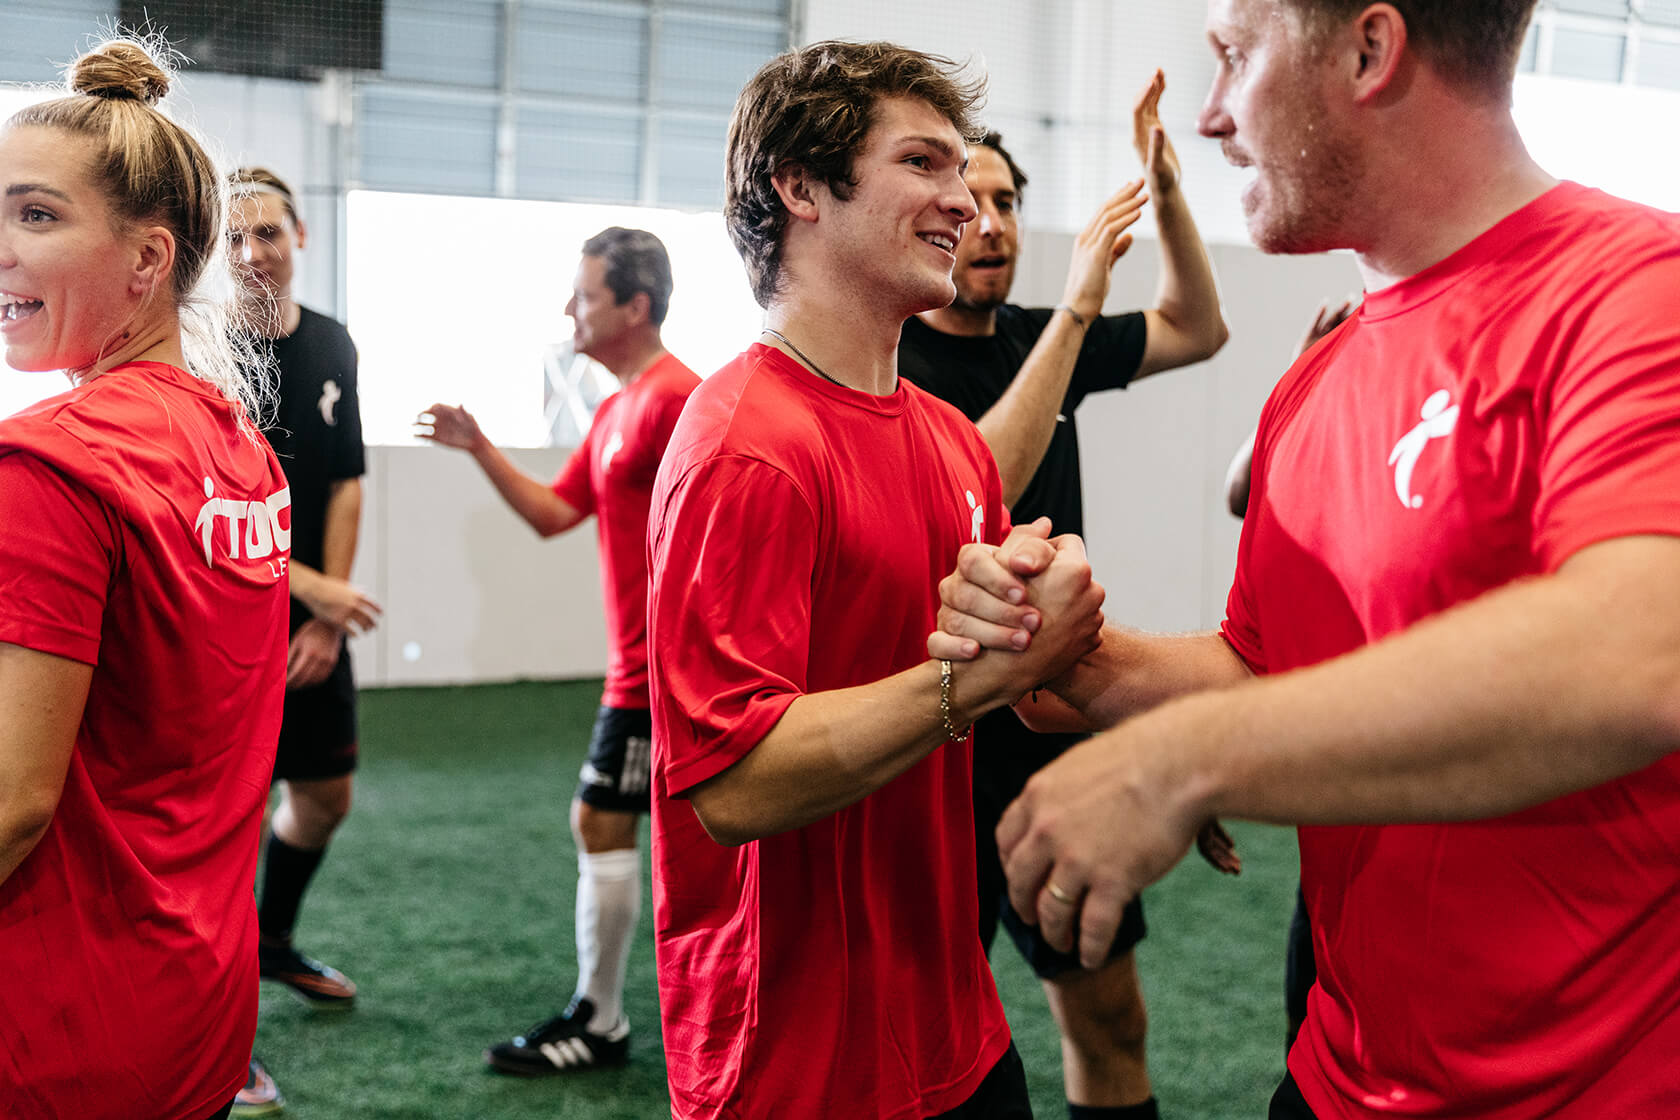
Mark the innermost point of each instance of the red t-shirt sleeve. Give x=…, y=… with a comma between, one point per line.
x=731, y=613
x=1610, y=462
x=573, y=483
x=57, y=553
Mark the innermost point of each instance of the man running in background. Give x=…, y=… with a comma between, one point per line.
x=317, y=434
x=1020, y=373
x=619, y=300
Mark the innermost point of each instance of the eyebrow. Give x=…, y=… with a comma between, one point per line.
x=34, y=188
x=942, y=146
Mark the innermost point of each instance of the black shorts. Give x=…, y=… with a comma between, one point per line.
x=1005, y=756
x=615, y=775
x=1288, y=1103
x=1001, y=1096
x=318, y=731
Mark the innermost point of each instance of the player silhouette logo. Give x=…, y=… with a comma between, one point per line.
x=1438, y=420
x=976, y=515
x=615, y=444
x=330, y=395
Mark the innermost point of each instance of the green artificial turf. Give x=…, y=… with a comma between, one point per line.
x=448, y=895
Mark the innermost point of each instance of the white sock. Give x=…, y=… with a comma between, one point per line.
x=609, y=900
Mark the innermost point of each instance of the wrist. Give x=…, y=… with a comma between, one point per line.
x=1081, y=316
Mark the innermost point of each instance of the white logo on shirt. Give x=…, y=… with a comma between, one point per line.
x=1438, y=421
x=263, y=535
x=330, y=396
x=615, y=444
x=976, y=515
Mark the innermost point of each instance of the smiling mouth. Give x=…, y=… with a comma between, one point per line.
x=14, y=309
x=988, y=262
x=940, y=241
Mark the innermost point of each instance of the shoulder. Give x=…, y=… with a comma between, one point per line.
x=948, y=423
x=324, y=336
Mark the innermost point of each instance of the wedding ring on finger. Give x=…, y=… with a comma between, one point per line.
x=1060, y=895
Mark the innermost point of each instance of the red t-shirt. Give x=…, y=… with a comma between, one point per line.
x=798, y=535
x=143, y=533
x=611, y=475
x=1480, y=422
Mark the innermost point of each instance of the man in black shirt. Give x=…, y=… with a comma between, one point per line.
x=1020, y=373
x=317, y=434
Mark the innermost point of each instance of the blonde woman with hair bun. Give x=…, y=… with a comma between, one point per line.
x=145, y=534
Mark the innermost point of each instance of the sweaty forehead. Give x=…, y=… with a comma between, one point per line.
x=257, y=211
x=987, y=170
x=901, y=119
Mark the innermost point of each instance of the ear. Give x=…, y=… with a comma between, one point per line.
x=302, y=233
x=797, y=190
x=153, y=260
x=640, y=306
x=1380, y=42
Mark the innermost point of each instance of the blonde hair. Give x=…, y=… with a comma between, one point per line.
x=153, y=170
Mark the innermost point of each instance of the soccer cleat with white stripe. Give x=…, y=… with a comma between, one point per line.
x=563, y=1044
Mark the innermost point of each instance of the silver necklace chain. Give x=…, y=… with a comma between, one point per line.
x=800, y=354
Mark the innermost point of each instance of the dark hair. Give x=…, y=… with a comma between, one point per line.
x=248, y=181
x=813, y=107
x=635, y=261
x=153, y=171
x=994, y=141
x=1474, y=42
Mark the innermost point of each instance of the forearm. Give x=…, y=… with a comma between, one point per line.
x=1187, y=296
x=41, y=701
x=342, y=528
x=1515, y=699
x=832, y=749
x=1133, y=672
x=1019, y=426
x=543, y=509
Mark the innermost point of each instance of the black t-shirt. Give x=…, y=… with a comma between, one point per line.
x=317, y=428
x=972, y=373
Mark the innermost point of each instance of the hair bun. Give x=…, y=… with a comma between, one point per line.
x=120, y=70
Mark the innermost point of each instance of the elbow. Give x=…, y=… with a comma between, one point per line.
x=23, y=822
x=723, y=817
x=1213, y=337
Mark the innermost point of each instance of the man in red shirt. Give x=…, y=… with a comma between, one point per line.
x=812, y=815
x=619, y=300
x=1457, y=578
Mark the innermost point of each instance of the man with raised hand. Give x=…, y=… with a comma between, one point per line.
x=619, y=300
x=1020, y=374
x=1456, y=587
x=812, y=817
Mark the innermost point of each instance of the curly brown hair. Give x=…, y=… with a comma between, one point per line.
x=813, y=107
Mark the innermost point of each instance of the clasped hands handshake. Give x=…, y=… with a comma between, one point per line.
x=1075, y=852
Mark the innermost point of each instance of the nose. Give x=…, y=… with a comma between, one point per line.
x=960, y=201
x=989, y=221
x=1213, y=121
x=571, y=307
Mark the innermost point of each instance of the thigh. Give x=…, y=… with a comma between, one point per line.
x=318, y=730
x=615, y=775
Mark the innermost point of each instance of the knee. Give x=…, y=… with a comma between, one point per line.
x=602, y=830
x=310, y=812
x=1103, y=1017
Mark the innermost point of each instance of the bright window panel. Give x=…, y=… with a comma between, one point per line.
x=458, y=300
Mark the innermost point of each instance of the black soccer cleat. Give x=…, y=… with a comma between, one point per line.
x=563, y=1044
x=318, y=985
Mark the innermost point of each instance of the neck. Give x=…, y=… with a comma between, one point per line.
x=157, y=342
x=277, y=317
x=1444, y=189
x=959, y=319
x=630, y=360
x=852, y=345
